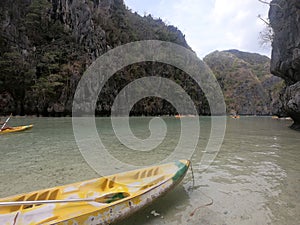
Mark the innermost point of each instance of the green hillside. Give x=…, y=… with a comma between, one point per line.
x=248, y=86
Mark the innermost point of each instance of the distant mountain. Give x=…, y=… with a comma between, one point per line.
x=248, y=86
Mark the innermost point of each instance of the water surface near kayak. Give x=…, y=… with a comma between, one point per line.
x=253, y=180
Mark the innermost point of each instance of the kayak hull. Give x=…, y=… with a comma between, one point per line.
x=16, y=129
x=143, y=186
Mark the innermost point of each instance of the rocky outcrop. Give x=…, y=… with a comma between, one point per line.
x=46, y=45
x=292, y=99
x=248, y=86
x=285, y=62
x=78, y=18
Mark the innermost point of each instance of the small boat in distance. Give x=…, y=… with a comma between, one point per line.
x=99, y=201
x=178, y=116
x=6, y=130
x=281, y=118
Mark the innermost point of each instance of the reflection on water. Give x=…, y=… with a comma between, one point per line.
x=254, y=179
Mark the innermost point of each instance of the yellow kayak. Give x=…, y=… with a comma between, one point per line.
x=99, y=201
x=16, y=129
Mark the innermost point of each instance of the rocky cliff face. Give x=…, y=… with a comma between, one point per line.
x=46, y=45
x=248, y=86
x=285, y=20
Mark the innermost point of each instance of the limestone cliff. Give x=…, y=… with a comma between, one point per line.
x=46, y=45
x=285, y=62
x=248, y=86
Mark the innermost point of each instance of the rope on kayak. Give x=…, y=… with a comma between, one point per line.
x=202, y=206
x=193, y=177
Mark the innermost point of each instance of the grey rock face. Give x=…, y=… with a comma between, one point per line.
x=285, y=21
x=292, y=103
x=77, y=17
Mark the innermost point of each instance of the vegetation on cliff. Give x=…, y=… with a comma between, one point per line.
x=247, y=84
x=47, y=45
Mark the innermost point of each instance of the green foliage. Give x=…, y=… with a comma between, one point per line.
x=245, y=79
x=43, y=55
x=36, y=22
x=48, y=86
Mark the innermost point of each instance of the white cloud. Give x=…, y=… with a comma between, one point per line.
x=212, y=24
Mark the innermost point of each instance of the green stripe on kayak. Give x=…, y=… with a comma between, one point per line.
x=182, y=169
x=116, y=197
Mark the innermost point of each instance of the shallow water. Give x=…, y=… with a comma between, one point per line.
x=253, y=180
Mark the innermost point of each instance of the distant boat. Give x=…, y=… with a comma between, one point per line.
x=99, y=201
x=6, y=130
x=179, y=116
x=235, y=116
x=281, y=118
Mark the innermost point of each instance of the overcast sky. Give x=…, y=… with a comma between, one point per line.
x=211, y=25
